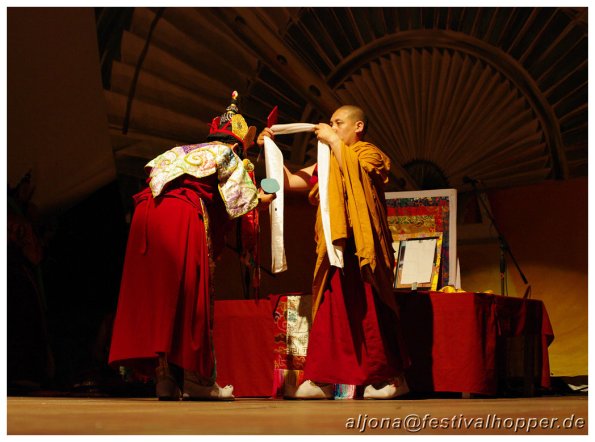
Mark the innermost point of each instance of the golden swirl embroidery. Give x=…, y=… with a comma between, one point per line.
x=198, y=157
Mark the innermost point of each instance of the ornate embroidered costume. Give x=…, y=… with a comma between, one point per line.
x=166, y=294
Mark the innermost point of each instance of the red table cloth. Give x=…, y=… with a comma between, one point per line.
x=456, y=340
x=243, y=338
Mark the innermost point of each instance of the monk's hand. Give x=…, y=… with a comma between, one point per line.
x=326, y=134
x=266, y=132
x=265, y=199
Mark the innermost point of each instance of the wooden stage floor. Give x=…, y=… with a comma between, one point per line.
x=109, y=416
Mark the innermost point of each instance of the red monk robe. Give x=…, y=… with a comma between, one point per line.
x=165, y=303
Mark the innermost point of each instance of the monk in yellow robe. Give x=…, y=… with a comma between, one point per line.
x=355, y=337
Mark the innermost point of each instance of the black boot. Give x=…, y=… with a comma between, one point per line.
x=166, y=385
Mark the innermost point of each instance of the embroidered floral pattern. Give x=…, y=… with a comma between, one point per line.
x=200, y=160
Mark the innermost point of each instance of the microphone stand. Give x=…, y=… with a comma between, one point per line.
x=504, y=248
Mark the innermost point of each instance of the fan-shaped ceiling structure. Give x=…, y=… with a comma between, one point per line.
x=497, y=94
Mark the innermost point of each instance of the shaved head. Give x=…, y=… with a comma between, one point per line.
x=356, y=113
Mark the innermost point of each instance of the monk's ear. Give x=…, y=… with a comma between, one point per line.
x=359, y=127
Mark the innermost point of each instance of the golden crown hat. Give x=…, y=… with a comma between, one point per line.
x=232, y=124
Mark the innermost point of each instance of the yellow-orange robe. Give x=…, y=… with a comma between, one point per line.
x=358, y=210
x=354, y=337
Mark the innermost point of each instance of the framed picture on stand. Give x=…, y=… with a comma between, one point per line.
x=425, y=213
x=417, y=258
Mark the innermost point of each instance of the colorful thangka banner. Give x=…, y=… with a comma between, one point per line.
x=425, y=213
x=293, y=318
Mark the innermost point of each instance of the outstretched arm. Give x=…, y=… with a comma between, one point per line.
x=298, y=181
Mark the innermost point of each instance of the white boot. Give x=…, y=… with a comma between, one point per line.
x=387, y=390
x=197, y=388
x=312, y=390
x=209, y=393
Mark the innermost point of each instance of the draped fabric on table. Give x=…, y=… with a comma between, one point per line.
x=244, y=338
x=457, y=341
x=292, y=317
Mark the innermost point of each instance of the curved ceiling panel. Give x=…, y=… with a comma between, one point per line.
x=499, y=94
x=454, y=111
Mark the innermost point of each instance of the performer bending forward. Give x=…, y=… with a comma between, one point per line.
x=355, y=337
x=163, y=324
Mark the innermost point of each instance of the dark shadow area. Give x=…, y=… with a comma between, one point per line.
x=416, y=323
x=63, y=281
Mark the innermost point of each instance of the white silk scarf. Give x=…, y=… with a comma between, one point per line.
x=273, y=159
x=335, y=253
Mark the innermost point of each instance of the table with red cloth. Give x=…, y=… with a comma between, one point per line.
x=243, y=337
x=458, y=342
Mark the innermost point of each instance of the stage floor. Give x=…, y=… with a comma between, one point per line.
x=109, y=416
